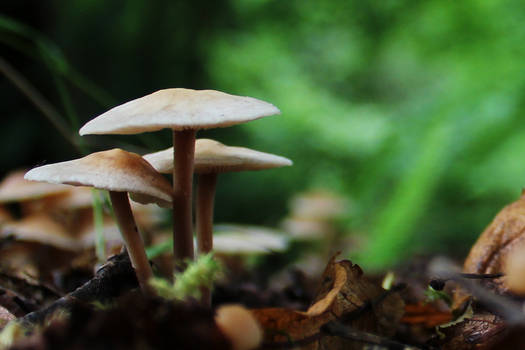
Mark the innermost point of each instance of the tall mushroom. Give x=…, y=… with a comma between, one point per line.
x=118, y=172
x=184, y=111
x=212, y=158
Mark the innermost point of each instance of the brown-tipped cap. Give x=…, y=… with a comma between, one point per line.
x=179, y=109
x=113, y=170
x=214, y=157
x=14, y=188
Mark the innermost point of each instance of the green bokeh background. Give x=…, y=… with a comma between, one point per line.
x=413, y=110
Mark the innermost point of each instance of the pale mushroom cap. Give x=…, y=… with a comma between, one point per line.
x=76, y=198
x=113, y=170
x=179, y=109
x=306, y=229
x=318, y=205
x=242, y=243
x=110, y=231
x=214, y=157
x=514, y=268
x=147, y=216
x=42, y=229
x=239, y=239
x=240, y=326
x=14, y=188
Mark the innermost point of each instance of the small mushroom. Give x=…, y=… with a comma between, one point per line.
x=240, y=326
x=14, y=188
x=184, y=111
x=514, y=268
x=118, y=172
x=231, y=244
x=110, y=231
x=212, y=158
x=319, y=205
x=33, y=197
x=314, y=214
x=40, y=228
x=75, y=199
x=248, y=240
x=40, y=245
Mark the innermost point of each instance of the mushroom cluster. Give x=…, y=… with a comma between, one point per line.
x=211, y=159
x=41, y=220
x=184, y=111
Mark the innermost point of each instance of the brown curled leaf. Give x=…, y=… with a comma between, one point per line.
x=504, y=234
x=425, y=314
x=344, y=295
x=481, y=331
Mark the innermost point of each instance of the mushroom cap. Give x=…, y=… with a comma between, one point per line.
x=14, y=188
x=76, y=198
x=306, y=229
x=110, y=231
x=42, y=229
x=320, y=205
x=113, y=170
x=246, y=240
x=214, y=157
x=240, y=326
x=179, y=109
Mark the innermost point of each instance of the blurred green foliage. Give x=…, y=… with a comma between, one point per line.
x=413, y=110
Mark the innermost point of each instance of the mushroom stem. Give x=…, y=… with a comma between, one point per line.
x=183, y=153
x=128, y=229
x=204, y=216
x=205, y=199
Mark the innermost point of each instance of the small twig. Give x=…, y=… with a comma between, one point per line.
x=439, y=283
x=480, y=276
x=112, y=280
x=333, y=327
x=497, y=304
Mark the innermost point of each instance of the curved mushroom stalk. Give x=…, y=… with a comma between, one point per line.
x=119, y=172
x=132, y=238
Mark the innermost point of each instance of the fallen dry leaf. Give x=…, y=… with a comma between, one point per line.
x=344, y=295
x=481, y=331
x=505, y=234
x=425, y=314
